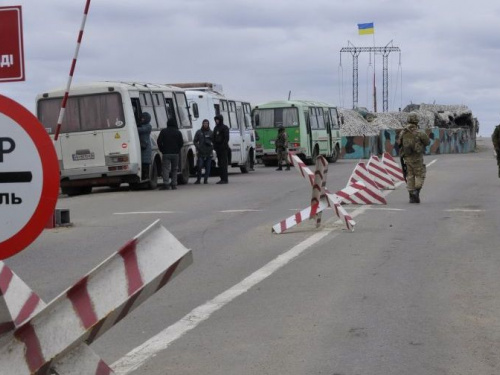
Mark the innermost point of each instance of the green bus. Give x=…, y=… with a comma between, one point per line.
x=313, y=129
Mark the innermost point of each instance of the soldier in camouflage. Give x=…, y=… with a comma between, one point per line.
x=495, y=137
x=281, y=144
x=412, y=144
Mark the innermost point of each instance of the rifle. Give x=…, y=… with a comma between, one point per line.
x=404, y=167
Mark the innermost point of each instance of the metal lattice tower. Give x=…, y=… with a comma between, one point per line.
x=384, y=51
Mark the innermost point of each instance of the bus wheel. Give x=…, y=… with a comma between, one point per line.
x=153, y=179
x=335, y=155
x=248, y=164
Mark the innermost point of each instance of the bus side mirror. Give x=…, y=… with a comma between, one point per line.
x=342, y=119
x=257, y=120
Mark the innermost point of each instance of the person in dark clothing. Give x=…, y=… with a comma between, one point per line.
x=144, y=129
x=204, y=148
x=221, y=147
x=170, y=144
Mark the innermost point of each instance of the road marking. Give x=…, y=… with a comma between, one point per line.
x=144, y=213
x=137, y=357
x=243, y=210
x=385, y=209
x=463, y=210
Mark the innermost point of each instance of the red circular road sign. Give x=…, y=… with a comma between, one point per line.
x=29, y=177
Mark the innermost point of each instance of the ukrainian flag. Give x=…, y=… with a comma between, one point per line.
x=366, y=28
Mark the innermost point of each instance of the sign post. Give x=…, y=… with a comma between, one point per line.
x=29, y=177
x=11, y=44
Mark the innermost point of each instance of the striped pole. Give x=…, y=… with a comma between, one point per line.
x=72, y=70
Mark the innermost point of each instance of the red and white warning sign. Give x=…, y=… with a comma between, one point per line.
x=29, y=177
x=11, y=44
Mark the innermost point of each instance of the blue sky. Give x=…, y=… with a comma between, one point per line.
x=260, y=50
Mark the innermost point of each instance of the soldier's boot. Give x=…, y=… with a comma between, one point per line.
x=280, y=168
x=412, y=196
x=288, y=167
x=417, y=196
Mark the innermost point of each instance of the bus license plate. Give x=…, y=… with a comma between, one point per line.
x=77, y=157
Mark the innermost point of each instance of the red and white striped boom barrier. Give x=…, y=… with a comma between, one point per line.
x=72, y=71
x=57, y=336
x=321, y=197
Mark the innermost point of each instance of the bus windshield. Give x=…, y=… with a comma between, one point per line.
x=83, y=113
x=276, y=117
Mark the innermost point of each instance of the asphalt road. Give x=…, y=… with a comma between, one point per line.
x=413, y=290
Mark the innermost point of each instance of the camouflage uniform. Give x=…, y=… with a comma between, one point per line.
x=281, y=144
x=412, y=145
x=495, y=137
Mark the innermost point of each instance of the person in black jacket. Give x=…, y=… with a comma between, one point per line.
x=221, y=147
x=170, y=143
x=204, y=149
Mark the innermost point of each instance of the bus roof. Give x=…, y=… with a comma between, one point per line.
x=104, y=85
x=293, y=103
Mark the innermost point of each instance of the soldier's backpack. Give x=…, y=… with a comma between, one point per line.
x=409, y=144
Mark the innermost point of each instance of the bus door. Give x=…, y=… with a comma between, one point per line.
x=244, y=145
x=309, y=140
x=235, y=139
x=328, y=123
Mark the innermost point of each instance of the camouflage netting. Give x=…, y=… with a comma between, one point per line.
x=362, y=122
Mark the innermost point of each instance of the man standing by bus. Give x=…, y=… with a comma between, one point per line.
x=221, y=147
x=281, y=145
x=170, y=144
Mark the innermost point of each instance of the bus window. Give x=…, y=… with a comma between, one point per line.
x=160, y=109
x=313, y=120
x=225, y=111
x=196, y=111
x=233, y=117
x=182, y=110
x=83, y=113
x=274, y=117
x=147, y=106
x=335, y=120
x=321, y=120
x=247, y=115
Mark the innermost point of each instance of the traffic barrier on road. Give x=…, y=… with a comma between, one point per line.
x=392, y=167
x=369, y=193
x=57, y=336
x=321, y=197
x=18, y=302
x=379, y=173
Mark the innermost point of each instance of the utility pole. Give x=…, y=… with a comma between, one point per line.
x=385, y=51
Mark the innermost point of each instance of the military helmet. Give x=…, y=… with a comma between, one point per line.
x=413, y=118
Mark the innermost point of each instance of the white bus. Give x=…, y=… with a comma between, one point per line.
x=99, y=144
x=205, y=101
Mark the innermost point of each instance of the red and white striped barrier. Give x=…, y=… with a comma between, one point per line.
x=392, y=167
x=318, y=190
x=370, y=193
x=18, y=302
x=379, y=173
x=21, y=303
x=321, y=197
x=96, y=303
x=299, y=217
